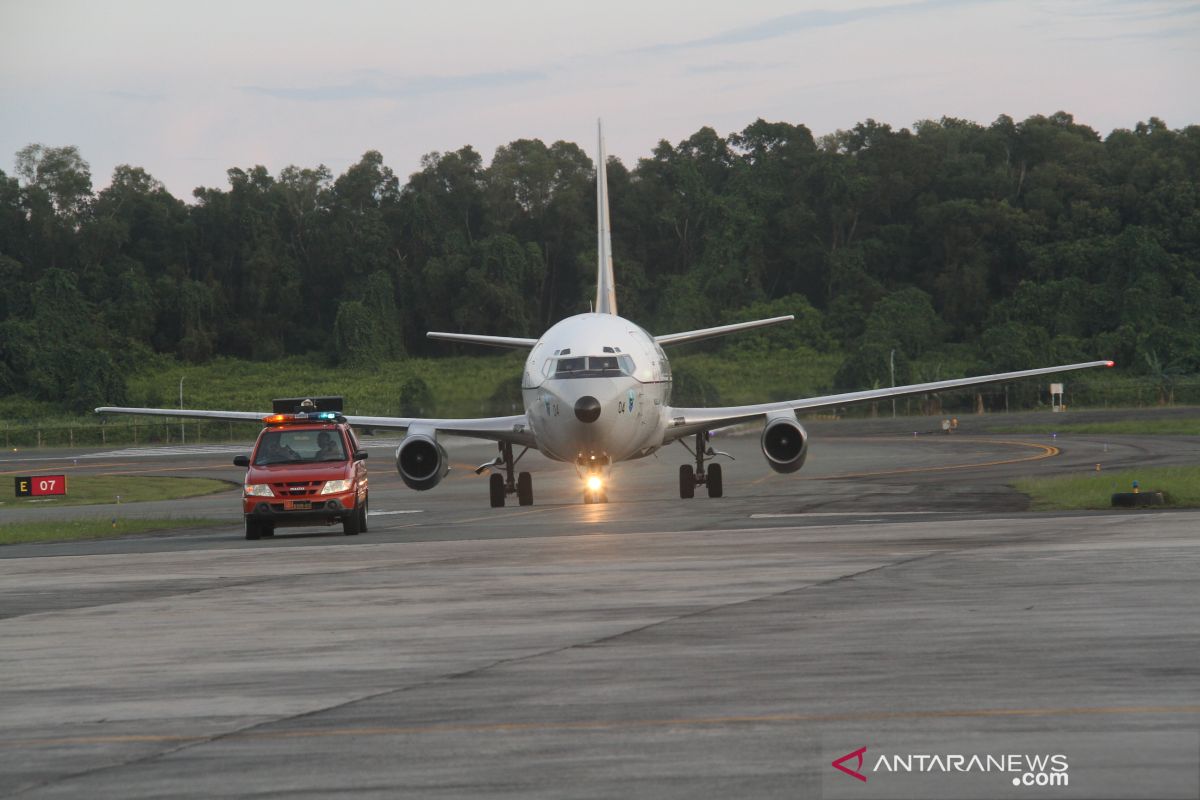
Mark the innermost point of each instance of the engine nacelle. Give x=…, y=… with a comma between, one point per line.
x=785, y=444
x=421, y=462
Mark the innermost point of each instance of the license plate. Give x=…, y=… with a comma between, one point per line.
x=297, y=505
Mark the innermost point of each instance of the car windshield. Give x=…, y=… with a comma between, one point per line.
x=301, y=446
x=593, y=366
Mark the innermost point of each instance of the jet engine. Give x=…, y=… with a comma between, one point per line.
x=421, y=461
x=785, y=444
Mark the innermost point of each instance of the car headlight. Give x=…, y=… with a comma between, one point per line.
x=332, y=487
x=258, y=490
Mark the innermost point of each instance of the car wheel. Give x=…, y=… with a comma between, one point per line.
x=350, y=523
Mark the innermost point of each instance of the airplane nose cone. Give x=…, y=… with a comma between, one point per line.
x=587, y=409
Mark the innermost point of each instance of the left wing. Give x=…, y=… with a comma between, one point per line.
x=720, y=330
x=513, y=429
x=683, y=422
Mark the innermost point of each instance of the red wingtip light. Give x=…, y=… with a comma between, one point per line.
x=1110, y=363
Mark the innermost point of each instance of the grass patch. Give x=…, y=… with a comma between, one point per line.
x=98, y=528
x=102, y=489
x=766, y=376
x=1180, y=486
x=1154, y=427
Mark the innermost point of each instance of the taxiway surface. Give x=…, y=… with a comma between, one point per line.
x=892, y=595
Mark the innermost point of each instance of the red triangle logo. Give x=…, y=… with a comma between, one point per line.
x=854, y=773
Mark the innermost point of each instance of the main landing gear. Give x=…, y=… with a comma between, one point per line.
x=690, y=477
x=500, y=486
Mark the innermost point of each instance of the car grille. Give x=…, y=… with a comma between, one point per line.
x=297, y=488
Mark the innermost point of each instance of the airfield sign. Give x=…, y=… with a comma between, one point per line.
x=40, y=485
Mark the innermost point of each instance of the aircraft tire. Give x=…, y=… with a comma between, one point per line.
x=687, y=482
x=268, y=530
x=525, y=488
x=714, y=483
x=496, y=489
x=253, y=530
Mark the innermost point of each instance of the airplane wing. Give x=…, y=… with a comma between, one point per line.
x=475, y=338
x=513, y=429
x=687, y=421
x=720, y=330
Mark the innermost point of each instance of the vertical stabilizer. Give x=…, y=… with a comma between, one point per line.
x=606, y=287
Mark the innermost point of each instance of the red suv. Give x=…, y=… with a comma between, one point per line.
x=307, y=469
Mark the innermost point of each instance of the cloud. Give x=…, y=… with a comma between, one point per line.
x=1133, y=12
x=377, y=86
x=137, y=97
x=728, y=66
x=802, y=21
x=1162, y=33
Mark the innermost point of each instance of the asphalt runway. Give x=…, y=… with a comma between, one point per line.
x=895, y=594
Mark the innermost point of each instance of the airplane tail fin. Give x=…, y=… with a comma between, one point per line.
x=606, y=287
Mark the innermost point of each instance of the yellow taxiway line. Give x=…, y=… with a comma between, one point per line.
x=1044, y=451
x=616, y=724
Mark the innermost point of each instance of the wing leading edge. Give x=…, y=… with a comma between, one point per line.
x=478, y=338
x=720, y=330
x=686, y=421
x=513, y=429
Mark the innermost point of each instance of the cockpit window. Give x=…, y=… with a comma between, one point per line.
x=570, y=367
x=594, y=366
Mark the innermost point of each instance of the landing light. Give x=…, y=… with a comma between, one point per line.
x=594, y=483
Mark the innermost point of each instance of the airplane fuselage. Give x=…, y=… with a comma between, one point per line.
x=595, y=387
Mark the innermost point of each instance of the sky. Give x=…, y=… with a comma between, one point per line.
x=189, y=90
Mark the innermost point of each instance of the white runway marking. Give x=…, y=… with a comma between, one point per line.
x=386, y=513
x=201, y=449
x=845, y=514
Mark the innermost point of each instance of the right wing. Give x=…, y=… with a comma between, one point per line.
x=513, y=429
x=475, y=338
x=683, y=422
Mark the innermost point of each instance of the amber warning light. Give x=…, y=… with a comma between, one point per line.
x=40, y=485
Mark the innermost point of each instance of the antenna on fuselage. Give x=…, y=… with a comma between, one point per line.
x=606, y=287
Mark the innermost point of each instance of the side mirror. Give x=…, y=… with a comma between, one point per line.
x=361, y=455
x=241, y=461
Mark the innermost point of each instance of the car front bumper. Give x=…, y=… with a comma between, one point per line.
x=316, y=511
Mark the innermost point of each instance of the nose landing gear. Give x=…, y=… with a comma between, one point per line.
x=690, y=477
x=593, y=490
x=591, y=469
x=500, y=486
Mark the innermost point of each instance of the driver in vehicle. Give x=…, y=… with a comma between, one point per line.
x=329, y=449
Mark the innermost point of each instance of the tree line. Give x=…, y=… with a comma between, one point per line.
x=993, y=247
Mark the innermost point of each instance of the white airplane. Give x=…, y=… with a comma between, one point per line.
x=597, y=391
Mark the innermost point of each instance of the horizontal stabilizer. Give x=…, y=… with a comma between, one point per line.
x=493, y=341
x=720, y=330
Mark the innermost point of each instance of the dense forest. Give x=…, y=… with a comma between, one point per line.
x=1010, y=245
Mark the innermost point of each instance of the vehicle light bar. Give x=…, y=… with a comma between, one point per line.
x=303, y=417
